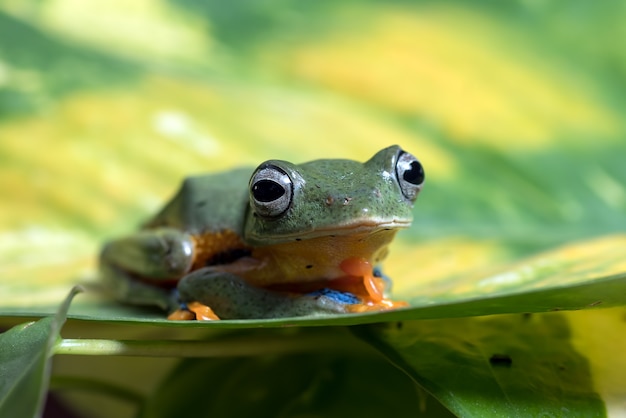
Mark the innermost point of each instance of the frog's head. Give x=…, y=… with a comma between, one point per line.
x=290, y=202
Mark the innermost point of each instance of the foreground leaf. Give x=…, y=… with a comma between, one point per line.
x=495, y=366
x=25, y=353
x=290, y=386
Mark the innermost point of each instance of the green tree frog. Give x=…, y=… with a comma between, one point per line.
x=280, y=240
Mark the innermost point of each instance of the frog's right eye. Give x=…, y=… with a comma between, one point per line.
x=271, y=191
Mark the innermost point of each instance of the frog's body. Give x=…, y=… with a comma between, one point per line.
x=280, y=240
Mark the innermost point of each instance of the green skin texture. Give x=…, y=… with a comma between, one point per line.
x=162, y=250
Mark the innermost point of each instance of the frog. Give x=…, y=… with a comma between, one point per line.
x=276, y=241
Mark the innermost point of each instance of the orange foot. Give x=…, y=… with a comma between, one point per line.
x=374, y=298
x=195, y=310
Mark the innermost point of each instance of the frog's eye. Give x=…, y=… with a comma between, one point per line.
x=410, y=174
x=271, y=191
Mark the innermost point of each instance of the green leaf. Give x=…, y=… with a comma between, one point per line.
x=290, y=386
x=25, y=355
x=496, y=366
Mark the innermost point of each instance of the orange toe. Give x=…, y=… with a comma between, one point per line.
x=181, y=315
x=203, y=312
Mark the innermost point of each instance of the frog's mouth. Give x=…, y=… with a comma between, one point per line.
x=359, y=228
x=352, y=228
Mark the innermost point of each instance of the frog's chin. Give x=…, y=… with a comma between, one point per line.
x=320, y=255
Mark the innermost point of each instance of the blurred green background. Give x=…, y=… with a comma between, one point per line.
x=516, y=110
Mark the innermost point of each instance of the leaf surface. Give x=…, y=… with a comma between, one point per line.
x=25, y=356
x=495, y=366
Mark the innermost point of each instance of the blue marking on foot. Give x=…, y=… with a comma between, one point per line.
x=378, y=272
x=175, y=297
x=337, y=296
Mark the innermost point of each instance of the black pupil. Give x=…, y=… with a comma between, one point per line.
x=267, y=190
x=415, y=174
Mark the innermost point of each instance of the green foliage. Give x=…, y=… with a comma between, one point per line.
x=297, y=385
x=25, y=355
x=525, y=365
x=515, y=108
x=25, y=368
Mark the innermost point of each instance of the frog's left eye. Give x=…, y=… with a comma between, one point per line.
x=410, y=174
x=271, y=191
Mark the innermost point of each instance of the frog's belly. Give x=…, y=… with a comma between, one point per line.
x=314, y=259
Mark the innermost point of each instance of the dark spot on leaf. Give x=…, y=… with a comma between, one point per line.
x=201, y=203
x=309, y=266
x=298, y=239
x=501, y=360
x=399, y=325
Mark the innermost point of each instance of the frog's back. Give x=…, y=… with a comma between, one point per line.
x=207, y=203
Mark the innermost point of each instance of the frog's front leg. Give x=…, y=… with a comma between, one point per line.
x=231, y=297
x=138, y=268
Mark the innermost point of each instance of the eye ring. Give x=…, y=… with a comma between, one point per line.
x=410, y=175
x=271, y=191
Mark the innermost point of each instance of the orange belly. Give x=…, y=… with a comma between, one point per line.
x=315, y=259
x=342, y=262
